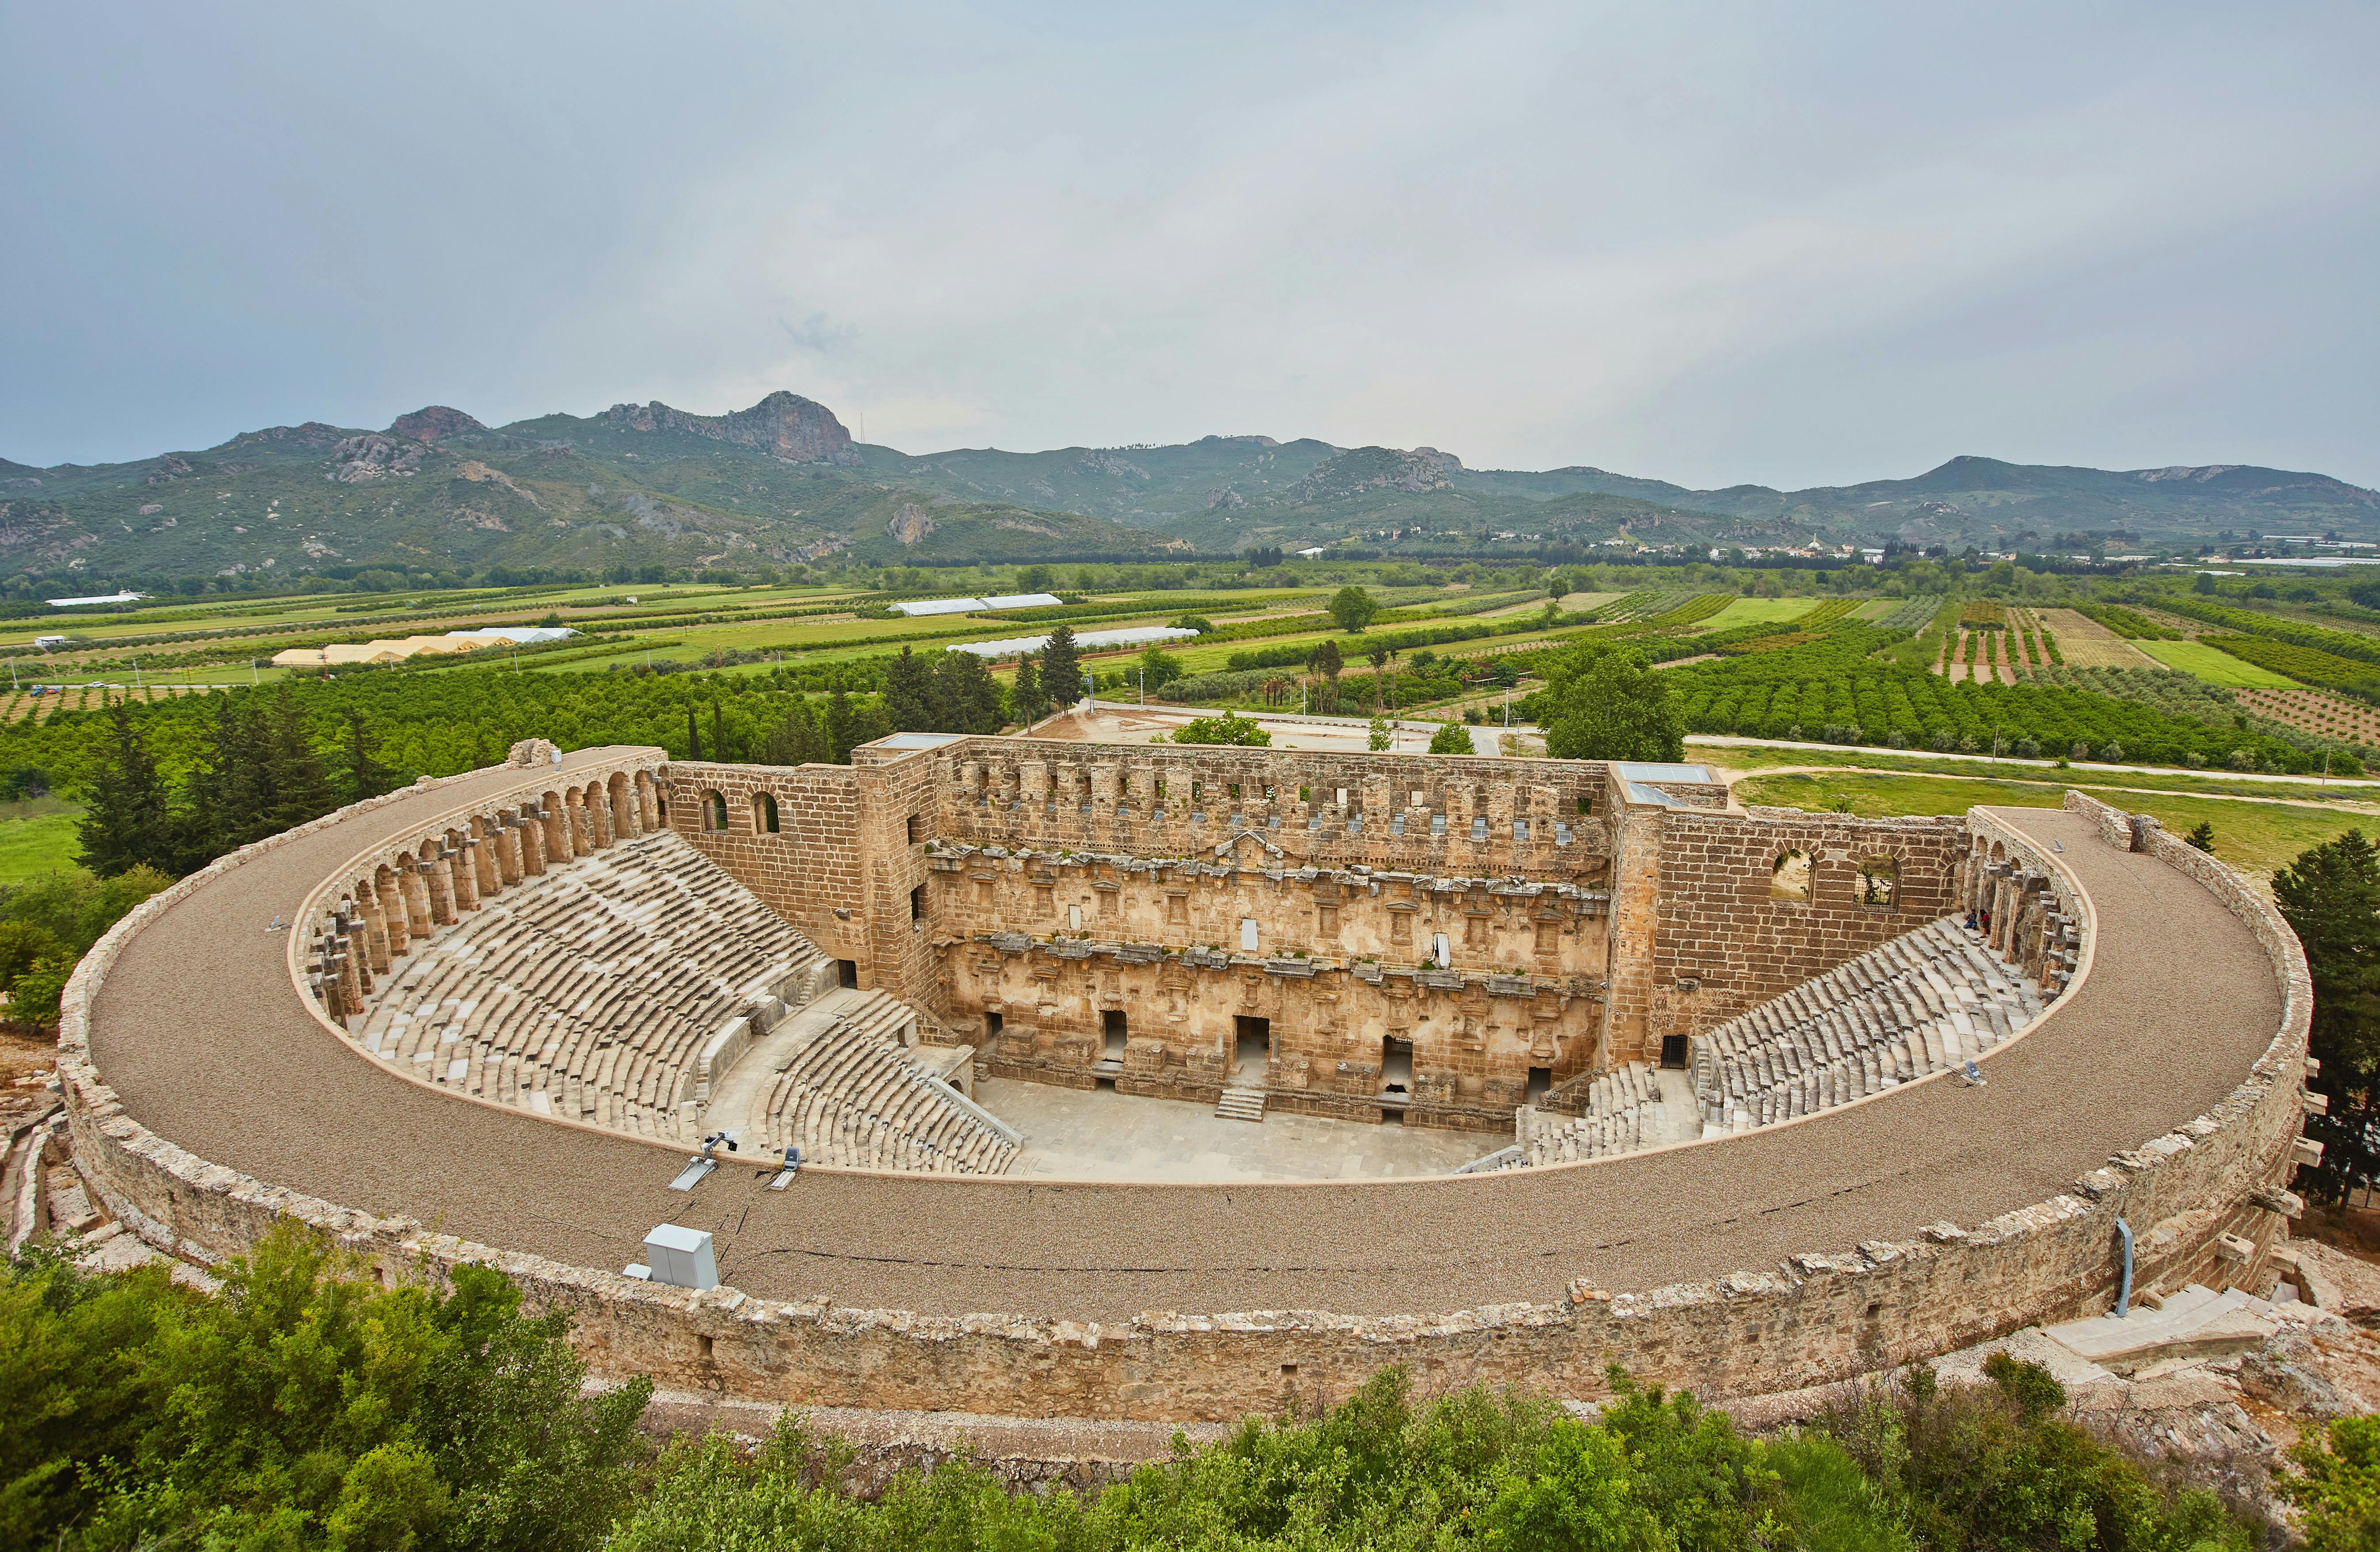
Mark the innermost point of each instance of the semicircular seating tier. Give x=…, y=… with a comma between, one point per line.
x=847, y=1092
x=1921, y=1003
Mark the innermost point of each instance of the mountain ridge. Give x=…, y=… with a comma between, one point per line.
x=784, y=481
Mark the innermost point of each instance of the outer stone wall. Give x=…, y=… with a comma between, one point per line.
x=1820, y=1315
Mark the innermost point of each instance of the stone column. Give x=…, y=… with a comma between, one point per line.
x=598, y=817
x=482, y=852
x=375, y=936
x=557, y=833
x=649, y=812
x=438, y=880
x=621, y=802
x=414, y=890
x=466, y=876
x=531, y=835
x=392, y=917
x=351, y=981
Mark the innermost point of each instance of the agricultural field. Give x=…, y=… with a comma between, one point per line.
x=1758, y=611
x=2305, y=664
x=1835, y=689
x=1760, y=758
x=2214, y=665
x=2085, y=643
x=2254, y=836
x=2332, y=715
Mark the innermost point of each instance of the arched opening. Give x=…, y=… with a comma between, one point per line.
x=764, y=814
x=714, y=811
x=1789, y=877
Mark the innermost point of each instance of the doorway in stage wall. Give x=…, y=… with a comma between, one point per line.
x=1111, y=1030
x=1396, y=1065
x=1255, y=1048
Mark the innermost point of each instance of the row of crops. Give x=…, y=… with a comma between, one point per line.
x=2338, y=643
x=2305, y=664
x=1834, y=689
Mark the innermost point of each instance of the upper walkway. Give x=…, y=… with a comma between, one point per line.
x=207, y=1042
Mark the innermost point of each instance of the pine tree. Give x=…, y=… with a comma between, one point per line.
x=841, y=727
x=300, y=786
x=362, y=775
x=909, y=693
x=1026, y=694
x=2331, y=898
x=966, y=698
x=231, y=796
x=797, y=740
x=1061, y=668
x=126, y=821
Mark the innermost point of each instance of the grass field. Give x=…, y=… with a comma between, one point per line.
x=2256, y=836
x=2215, y=665
x=34, y=846
x=1757, y=611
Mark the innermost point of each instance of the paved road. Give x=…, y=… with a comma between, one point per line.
x=200, y=1032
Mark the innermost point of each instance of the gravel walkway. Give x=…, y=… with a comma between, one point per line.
x=200, y=1030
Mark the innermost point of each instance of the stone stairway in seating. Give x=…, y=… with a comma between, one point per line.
x=604, y=991
x=1922, y=1003
x=847, y=1091
x=1241, y=1105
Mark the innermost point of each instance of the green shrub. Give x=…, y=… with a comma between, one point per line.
x=302, y=1408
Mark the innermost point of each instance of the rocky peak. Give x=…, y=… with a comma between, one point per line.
x=1367, y=468
x=783, y=425
x=432, y=421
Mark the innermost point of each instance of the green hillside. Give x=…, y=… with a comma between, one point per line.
x=439, y=489
x=783, y=483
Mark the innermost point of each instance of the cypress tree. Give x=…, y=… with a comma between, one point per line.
x=692, y=736
x=841, y=727
x=1061, y=668
x=126, y=821
x=1026, y=695
x=718, y=734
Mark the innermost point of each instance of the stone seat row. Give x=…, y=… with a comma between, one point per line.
x=1624, y=1112
x=591, y=990
x=850, y=1095
x=1924, y=1002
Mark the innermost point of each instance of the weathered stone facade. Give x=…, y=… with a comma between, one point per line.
x=1425, y=939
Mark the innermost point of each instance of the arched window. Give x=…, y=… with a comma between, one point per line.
x=764, y=814
x=1879, y=883
x=1789, y=877
x=714, y=812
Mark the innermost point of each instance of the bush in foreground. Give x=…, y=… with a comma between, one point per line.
x=303, y=1407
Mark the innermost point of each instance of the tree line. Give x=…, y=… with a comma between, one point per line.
x=306, y=1407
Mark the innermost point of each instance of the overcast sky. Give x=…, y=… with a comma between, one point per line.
x=1790, y=244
